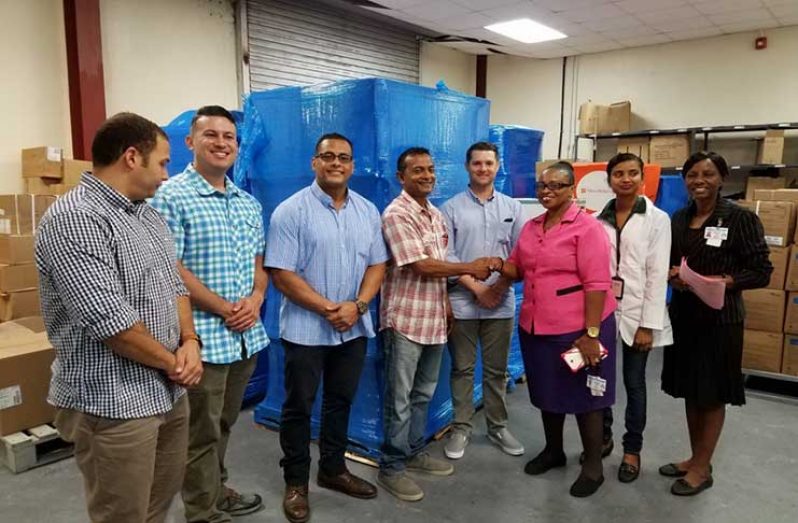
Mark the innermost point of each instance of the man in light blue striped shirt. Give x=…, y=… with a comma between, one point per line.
x=218, y=230
x=482, y=222
x=327, y=256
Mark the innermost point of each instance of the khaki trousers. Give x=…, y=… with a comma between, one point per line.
x=131, y=468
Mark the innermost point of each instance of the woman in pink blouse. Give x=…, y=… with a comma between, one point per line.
x=563, y=258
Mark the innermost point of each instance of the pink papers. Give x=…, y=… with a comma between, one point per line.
x=710, y=290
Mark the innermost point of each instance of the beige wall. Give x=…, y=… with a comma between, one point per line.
x=163, y=57
x=35, y=96
x=458, y=70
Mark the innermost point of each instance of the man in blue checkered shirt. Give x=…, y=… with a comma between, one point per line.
x=218, y=230
x=119, y=318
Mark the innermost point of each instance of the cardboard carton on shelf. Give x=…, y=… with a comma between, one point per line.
x=19, y=304
x=789, y=359
x=605, y=119
x=780, y=259
x=21, y=213
x=669, y=151
x=777, y=195
x=762, y=350
x=778, y=219
x=72, y=170
x=42, y=162
x=25, y=359
x=771, y=148
x=791, y=314
x=764, y=309
x=16, y=249
x=18, y=277
x=763, y=182
x=635, y=145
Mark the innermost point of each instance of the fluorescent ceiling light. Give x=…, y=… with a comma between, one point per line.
x=526, y=31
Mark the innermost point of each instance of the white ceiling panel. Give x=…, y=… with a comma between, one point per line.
x=591, y=25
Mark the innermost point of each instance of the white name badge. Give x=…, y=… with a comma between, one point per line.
x=596, y=384
x=716, y=235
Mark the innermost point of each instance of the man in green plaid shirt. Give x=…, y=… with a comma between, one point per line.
x=219, y=235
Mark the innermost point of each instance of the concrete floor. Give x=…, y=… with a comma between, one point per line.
x=756, y=476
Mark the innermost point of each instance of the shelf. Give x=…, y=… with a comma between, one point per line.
x=688, y=130
x=755, y=167
x=770, y=375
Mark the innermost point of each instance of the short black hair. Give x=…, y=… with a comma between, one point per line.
x=482, y=146
x=564, y=166
x=120, y=132
x=620, y=158
x=334, y=136
x=411, y=151
x=212, y=110
x=718, y=160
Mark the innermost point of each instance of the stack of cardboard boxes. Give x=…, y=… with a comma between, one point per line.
x=47, y=172
x=771, y=323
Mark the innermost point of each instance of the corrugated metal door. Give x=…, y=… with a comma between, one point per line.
x=303, y=42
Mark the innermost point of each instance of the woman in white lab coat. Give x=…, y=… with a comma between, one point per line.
x=640, y=240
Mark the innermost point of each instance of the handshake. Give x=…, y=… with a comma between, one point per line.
x=482, y=268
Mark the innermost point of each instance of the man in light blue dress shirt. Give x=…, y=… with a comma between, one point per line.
x=218, y=231
x=482, y=222
x=326, y=255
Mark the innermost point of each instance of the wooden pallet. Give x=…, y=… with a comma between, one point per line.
x=33, y=448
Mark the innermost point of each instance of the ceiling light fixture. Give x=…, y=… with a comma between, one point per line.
x=526, y=31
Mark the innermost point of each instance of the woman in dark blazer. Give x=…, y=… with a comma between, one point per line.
x=718, y=239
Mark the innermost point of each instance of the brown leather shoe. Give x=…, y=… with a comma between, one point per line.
x=295, y=504
x=349, y=484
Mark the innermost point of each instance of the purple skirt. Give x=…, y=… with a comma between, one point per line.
x=552, y=385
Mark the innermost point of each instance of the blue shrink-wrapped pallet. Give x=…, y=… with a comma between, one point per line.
x=519, y=150
x=382, y=118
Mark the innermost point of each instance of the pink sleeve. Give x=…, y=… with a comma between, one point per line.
x=593, y=256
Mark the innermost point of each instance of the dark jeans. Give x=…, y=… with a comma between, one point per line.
x=304, y=366
x=634, y=380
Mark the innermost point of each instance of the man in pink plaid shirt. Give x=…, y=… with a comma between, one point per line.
x=414, y=319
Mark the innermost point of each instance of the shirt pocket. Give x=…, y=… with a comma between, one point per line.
x=503, y=232
x=253, y=231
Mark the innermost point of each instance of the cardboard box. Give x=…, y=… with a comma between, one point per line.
x=778, y=219
x=669, y=150
x=25, y=360
x=19, y=304
x=605, y=119
x=777, y=195
x=21, y=213
x=791, y=314
x=61, y=189
x=638, y=146
x=789, y=358
x=72, y=170
x=764, y=309
x=780, y=258
x=791, y=279
x=762, y=350
x=18, y=277
x=762, y=182
x=16, y=249
x=771, y=148
x=42, y=162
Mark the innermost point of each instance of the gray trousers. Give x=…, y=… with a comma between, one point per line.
x=494, y=337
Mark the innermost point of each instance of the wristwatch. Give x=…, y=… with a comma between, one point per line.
x=593, y=332
x=362, y=307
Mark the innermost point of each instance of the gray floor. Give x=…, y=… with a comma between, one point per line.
x=756, y=476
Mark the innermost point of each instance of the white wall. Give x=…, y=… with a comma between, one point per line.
x=457, y=69
x=164, y=57
x=35, y=96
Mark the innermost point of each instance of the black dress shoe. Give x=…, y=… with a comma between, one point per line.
x=681, y=487
x=606, y=450
x=671, y=470
x=584, y=486
x=544, y=462
x=627, y=472
x=348, y=484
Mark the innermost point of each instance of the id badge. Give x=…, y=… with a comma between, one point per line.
x=715, y=235
x=617, y=287
x=596, y=384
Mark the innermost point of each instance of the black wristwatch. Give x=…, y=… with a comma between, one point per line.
x=362, y=307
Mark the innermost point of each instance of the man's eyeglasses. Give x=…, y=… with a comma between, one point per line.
x=552, y=186
x=330, y=157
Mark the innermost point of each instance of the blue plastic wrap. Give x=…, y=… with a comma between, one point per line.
x=519, y=150
x=382, y=118
x=672, y=194
x=177, y=130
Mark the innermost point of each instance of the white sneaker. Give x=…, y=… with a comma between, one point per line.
x=455, y=447
x=504, y=439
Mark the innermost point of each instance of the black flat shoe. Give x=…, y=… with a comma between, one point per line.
x=682, y=488
x=584, y=486
x=671, y=470
x=627, y=472
x=606, y=450
x=544, y=462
